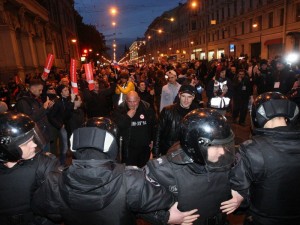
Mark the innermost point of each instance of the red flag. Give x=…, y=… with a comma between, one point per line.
x=17, y=79
x=48, y=65
x=73, y=76
x=89, y=76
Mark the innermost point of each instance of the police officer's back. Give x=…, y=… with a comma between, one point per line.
x=95, y=189
x=267, y=174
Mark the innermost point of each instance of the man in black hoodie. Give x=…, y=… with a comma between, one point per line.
x=96, y=190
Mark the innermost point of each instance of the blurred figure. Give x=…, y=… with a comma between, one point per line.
x=242, y=91
x=32, y=105
x=3, y=107
x=170, y=90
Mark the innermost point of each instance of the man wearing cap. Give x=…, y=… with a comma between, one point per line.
x=170, y=90
x=168, y=127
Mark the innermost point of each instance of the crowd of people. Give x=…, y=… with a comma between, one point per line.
x=152, y=141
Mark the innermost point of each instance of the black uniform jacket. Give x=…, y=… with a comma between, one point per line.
x=268, y=175
x=18, y=184
x=98, y=192
x=192, y=185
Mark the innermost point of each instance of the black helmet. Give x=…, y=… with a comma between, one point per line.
x=104, y=124
x=201, y=129
x=16, y=129
x=272, y=104
x=98, y=134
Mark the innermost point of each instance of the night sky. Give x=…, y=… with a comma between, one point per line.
x=133, y=18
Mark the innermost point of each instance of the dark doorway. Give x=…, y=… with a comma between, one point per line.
x=256, y=50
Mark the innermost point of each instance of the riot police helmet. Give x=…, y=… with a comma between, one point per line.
x=206, y=137
x=15, y=130
x=98, y=133
x=104, y=124
x=270, y=105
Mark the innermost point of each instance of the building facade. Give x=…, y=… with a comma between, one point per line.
x=32, y=29
x=210, y=28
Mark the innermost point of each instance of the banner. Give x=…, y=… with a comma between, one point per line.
x=89, y=76
x=73, y=77
x=48, y=65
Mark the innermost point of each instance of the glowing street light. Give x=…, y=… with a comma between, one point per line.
x=255, y=25
x=114, y=24
x=160, y=31
x=73, y=40
x=193, y=4
x=172, y=19
x=113, y=11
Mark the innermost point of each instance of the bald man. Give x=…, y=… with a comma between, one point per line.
x=136, y=122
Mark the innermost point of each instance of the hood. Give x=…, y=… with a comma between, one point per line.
x=90, y=185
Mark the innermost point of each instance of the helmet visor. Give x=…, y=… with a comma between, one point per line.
x=219, y=155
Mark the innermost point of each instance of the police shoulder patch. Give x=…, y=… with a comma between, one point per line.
x=155, y=183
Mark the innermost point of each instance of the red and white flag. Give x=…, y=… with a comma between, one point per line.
x=89, y=76
x=48, y=65
x=73, y=77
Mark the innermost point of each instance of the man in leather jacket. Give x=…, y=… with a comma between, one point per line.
x=167, y=132
x=96, y=190
x=196, y=169
x=267, y=174
x=22, y=169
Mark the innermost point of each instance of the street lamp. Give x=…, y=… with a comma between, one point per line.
x=192, y=44
x=193, y=4
x=256, y=26
x=113, y=11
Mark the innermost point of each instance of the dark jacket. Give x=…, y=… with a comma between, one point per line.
x=18, y=184
x=34, y=108
x=144, y=118
x=268, y=175
x=97, y=192
x=147, y=97
x=242, y=89
x=264, y=81
x=193, y=187
x=286, y=79
x=167, y=132
x=60, y=112
x=98, y=104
